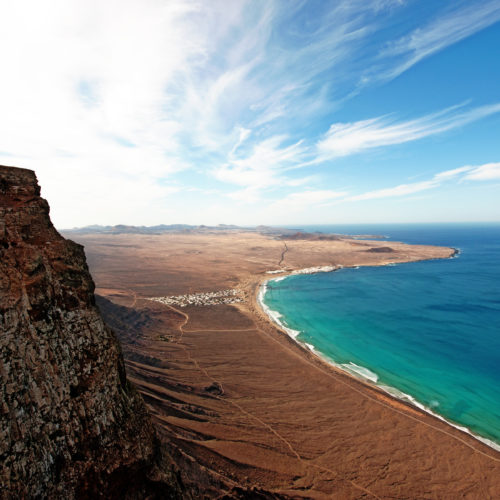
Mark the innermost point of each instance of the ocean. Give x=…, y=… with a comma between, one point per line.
x=427, y=332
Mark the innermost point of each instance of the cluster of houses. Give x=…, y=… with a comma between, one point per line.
x=231, y=296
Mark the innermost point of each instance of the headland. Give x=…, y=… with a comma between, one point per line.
x=238, y=395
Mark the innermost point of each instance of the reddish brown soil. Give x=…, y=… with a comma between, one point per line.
x=240, y=397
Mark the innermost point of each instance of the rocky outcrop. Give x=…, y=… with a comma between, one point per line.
x=381, y=250
x=71, y=425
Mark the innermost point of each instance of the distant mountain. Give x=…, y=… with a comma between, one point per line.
x=126, y=229
x=174, y=228
x=274, y=232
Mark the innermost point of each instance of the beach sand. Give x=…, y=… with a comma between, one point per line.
x=233, y=392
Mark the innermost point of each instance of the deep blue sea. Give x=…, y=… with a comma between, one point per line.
x=430, y=330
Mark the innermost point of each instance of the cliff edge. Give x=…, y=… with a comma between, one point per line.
x=71, y=425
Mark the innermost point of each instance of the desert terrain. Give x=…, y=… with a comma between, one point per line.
x=229, y=390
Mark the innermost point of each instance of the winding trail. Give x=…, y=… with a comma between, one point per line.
x=330, y=373
x=134, y=294
x=222, y=396
x=252, y=416
x=285, y=250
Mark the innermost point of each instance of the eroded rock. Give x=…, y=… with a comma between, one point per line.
x=71, y=425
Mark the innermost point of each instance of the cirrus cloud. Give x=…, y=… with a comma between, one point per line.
x=343, y=139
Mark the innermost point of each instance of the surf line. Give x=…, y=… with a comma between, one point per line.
x=356, y=372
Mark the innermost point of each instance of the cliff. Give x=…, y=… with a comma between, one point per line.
x=71, y=425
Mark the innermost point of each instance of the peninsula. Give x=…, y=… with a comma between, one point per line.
x=240, y=396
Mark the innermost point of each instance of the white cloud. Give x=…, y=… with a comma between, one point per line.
x=343, y=139
x=442, y=32
x=83, y=102
x=109, y=101
x=296, y=202
x=450, y=174
x=308, y=198
x=263, y=167
x=401, y=190
x=487, y=172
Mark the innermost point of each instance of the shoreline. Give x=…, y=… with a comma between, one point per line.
x=237, y=394
x=365, y=380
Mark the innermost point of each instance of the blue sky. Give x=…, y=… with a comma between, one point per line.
x=254, y=112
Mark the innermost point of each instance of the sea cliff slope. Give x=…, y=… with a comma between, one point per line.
x=71, y=425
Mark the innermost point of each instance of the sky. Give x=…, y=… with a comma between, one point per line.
x=254, y=112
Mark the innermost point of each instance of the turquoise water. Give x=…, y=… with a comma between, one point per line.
x=429, y=329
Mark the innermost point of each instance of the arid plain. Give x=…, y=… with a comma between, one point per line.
x=229, y=390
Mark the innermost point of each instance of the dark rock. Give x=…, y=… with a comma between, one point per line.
x=215, y=388
x=380, y=250
x=71, y=425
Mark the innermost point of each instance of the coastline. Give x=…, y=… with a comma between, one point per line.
x=239, y=395
x=360, y=374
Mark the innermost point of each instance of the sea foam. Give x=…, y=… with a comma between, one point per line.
x=274, y=315
x=360, y=372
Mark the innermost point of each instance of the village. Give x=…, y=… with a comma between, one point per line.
x=230, y=296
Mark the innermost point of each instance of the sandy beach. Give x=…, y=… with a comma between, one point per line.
x=232, y=391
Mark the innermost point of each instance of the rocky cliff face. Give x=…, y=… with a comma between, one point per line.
x=71, y=425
